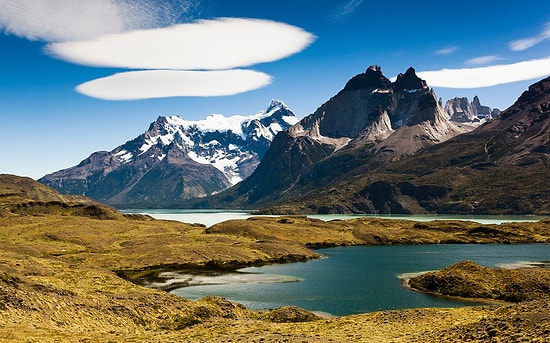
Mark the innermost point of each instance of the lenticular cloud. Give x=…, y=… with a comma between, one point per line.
x=62, y=20
x=207, y=44
x=149, y=84
x=195, y=59
x=487, y=76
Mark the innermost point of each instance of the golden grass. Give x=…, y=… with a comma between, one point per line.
x=58, y=280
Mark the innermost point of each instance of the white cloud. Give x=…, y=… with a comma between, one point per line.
x=344, y=10
x=483, y=60
x=206, y=44
x=140, y=34
x=488, y=76
x=171, y=83
x=62, y=20
x=529, y=42
x=447, y=51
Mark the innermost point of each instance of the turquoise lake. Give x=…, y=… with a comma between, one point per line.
x=353, y=280
x=349, y=280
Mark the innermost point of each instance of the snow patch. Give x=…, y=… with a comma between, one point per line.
x=124, y=156
x=291, y=120
x=226, y=163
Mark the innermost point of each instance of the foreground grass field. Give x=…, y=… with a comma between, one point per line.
x=59, y=282
x=60, y=261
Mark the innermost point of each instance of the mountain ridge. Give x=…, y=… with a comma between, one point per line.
x=498, y=167
x=176, y=159
x=501, y=167
x=370, y=122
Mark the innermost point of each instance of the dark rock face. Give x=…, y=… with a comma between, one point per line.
x=372, y=78
x=409, y=81
x=175, y=160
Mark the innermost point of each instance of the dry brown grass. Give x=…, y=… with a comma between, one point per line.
x=57, y=280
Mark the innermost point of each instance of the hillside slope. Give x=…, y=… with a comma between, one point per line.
x=60, y=277
x=23, y=195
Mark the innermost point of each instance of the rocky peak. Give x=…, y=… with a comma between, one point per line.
x=357, y=109
x=158, y=127
x=482, y=112
x=409, y=81
x=536, y=93
x=372, y=78
x=461, y=110
x=276, y=104
x=278, y=111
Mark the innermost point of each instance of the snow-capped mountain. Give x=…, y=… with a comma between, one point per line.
x=176, y=159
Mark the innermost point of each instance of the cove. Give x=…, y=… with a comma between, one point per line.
x=352, y=280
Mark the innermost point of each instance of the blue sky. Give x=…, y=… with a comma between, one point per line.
x=58, y=60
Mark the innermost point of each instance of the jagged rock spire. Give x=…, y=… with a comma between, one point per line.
x=372, y=78
x=409, y=81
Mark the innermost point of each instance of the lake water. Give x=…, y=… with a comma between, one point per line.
x=211, y=217
x=349, y=280
x=354, y=280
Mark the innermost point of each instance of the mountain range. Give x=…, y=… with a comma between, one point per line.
x=377, y=146
x=176, y=159
x=383, y=147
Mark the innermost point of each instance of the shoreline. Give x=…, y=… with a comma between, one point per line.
x=195, y=277
x=213, y=217
x=482, y=301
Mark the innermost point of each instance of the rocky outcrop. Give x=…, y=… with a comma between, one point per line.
x=461, y=110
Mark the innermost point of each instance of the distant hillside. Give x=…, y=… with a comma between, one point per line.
x=176, y=159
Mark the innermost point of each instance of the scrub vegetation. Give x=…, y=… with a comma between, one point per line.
x=61, y=261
